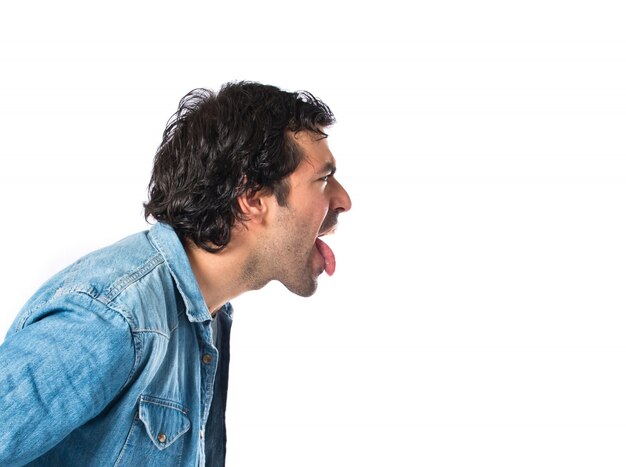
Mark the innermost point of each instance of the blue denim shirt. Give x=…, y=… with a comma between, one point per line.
x=114, y=361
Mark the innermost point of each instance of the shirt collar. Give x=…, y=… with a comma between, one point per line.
x=167, y=242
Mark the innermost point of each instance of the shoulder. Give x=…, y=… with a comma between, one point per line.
x=129, y=277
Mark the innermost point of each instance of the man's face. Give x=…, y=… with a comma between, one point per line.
x=315, y=200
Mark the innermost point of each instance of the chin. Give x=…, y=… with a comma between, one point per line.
x=301, y=277
x=302, y=288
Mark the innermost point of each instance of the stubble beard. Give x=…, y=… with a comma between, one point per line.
x=293, y=258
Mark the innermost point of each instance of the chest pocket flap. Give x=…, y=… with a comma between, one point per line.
x=165, y=420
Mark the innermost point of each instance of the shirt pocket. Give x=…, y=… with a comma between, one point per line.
x=157, y=434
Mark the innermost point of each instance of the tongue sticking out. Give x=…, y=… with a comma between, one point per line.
x=328, y=255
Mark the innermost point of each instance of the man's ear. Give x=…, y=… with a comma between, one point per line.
x=254, y=205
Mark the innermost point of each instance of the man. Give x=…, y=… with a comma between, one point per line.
x=122, y=358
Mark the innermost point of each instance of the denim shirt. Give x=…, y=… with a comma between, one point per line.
x=114, y=362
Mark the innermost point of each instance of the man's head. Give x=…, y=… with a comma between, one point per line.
x=292, y=251
x=219, y=146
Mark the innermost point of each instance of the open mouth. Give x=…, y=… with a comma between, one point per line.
x=327, y=254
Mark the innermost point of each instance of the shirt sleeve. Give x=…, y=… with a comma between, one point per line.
x=62, y=368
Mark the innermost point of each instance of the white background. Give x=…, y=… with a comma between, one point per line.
x=477, y=316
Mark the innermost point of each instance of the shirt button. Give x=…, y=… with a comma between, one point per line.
x=206, y=358
x=201, y=434
x=162, y=438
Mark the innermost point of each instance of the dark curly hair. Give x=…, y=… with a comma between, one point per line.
x=218, y=146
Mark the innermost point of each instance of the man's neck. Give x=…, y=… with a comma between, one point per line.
x=222, y=276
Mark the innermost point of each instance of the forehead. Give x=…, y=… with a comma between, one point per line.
x=316, y=155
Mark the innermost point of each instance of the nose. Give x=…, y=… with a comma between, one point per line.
x=341, y=201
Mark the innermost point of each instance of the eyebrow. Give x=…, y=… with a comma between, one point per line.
x=328, y=168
